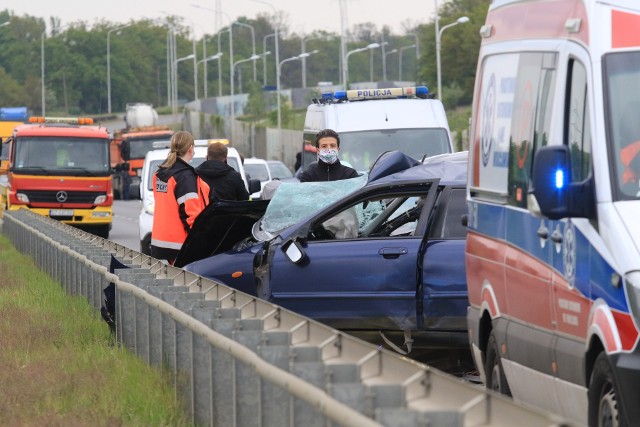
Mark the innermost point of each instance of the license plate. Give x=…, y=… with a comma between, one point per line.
x=61, y=212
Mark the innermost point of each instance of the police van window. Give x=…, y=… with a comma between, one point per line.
x=578, y=135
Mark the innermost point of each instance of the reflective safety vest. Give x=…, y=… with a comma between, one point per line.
x=179, y=199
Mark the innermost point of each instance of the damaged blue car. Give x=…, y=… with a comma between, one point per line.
x=380, y=256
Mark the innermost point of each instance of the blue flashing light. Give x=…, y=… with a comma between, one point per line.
x=341, y=94
x=421, y=90
x=327, y=95
x=559, y=179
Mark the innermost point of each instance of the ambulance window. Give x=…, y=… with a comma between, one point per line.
x=578, y=135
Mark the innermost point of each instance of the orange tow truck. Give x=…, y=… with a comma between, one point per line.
x=10, y=117
x=60, y=168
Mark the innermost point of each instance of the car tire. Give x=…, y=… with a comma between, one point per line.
x=604, y=409
x=496, y=379
x=145, y=245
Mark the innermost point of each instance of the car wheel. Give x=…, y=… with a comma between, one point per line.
x=145, y=245
x=496, y=379
x=604, y=410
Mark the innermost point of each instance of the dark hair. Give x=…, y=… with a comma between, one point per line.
x=217, y=151
x=327, y=133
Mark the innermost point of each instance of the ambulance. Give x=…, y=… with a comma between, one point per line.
x=372, y=121
x=553, y=243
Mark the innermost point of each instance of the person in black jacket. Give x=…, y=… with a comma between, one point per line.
x=225, y=182
x=328, y=167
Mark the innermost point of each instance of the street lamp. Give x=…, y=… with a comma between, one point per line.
x=461, y=20
x=109, y=64
x=264, y=62
x=215, y=57
x=233, y=106
x=303, y=49
x=253, y=41
x=345, y=76
x=293, y=58
x=387, y=54
x=175, y=76
x=400, y=60
x=44, y=33
x=277, y=59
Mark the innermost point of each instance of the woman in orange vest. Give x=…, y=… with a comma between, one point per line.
x=178, y=198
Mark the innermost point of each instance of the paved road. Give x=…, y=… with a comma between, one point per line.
x=125, y=223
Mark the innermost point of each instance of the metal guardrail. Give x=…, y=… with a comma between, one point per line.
x=240, y=361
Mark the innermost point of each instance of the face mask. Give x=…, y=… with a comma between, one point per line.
x=328, y=155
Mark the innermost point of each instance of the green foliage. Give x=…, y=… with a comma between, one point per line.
x=60, y=364
x=76, y=59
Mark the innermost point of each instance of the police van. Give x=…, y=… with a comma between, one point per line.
x=372, y=121
x=144, y=191
x=553, y=243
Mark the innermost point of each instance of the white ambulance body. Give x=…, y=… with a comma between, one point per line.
x=553, y=247
x=372, y=121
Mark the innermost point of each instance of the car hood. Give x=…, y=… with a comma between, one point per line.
x=218, y=228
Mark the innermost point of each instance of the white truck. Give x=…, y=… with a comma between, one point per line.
x=140, y=114
x=372, y=121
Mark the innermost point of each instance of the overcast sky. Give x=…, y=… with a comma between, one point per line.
x=303, y=16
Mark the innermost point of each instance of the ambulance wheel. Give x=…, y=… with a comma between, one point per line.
x=496, y=379
x=604, y=410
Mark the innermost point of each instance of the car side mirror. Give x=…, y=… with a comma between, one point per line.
x=134, y=191
x=254, y=186
x=554, y=194
x=294, y=251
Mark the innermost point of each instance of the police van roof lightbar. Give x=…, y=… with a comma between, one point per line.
x=361, y=94
x=198, y=143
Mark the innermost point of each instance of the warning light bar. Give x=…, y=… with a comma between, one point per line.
x=197, y=143
x=360, y=94
x=68, y=120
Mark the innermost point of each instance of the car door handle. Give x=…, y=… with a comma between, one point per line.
x=393, y=253
x=543, y=232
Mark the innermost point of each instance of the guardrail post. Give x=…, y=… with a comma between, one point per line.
x=307, y=364
x=249, y=334
x=276, y=349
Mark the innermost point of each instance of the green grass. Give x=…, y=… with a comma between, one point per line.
x=60, y=365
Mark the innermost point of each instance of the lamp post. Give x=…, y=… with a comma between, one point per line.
x=303, y=49
x=253, y=41
x=400, y=60
x=109, y=64
x=461, y=20
x=276, y=25
x=44, y=33
x=345, y=76
x=233, y=67
x=215, y=57
x=389, y=53
x=264, y=62
x=293, y=58
x=175, y=77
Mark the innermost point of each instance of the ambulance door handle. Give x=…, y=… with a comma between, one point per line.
x=556, y=236
x=543, y=232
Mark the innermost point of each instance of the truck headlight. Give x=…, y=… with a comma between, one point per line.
x=22, y=197
x=150, y=206
x=632, y=285
x=100, y=199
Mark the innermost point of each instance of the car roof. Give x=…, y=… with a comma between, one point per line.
x=255, y=161
x=450, y=168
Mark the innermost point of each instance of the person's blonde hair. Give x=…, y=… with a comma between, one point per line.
x=181, y=141
x=217, y=151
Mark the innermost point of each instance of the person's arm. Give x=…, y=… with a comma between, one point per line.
x=189, y=202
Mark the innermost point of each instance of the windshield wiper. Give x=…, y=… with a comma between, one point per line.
x=27, y=169
x=75, y=168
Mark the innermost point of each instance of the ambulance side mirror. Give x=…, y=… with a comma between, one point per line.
x=556, y=196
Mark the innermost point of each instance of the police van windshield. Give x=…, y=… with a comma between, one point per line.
x=360, y=149
x=622, y=81
x=73, y=156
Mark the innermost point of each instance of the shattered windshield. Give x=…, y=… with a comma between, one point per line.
x=295, y=201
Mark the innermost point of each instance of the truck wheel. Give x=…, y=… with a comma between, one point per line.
x=102, y=231
x=603, y=395
x=496, y=380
